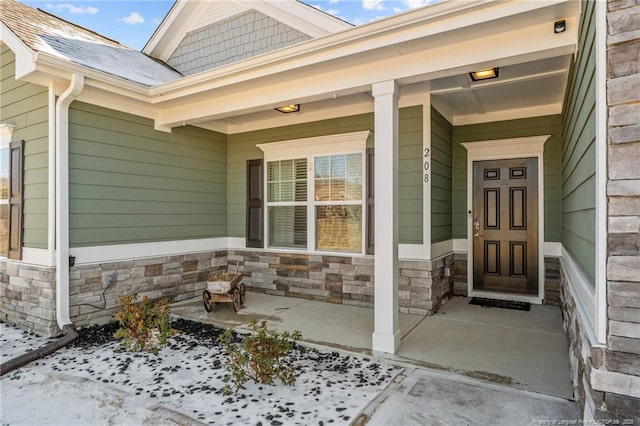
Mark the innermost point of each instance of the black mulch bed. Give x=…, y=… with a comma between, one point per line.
x=331, y=383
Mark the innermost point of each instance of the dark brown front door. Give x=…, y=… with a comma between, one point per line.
x=505, y=226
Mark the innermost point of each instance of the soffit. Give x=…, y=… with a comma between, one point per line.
x=530, y=84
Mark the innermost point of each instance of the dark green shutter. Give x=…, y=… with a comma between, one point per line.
x=15, y=200
x=255, y=203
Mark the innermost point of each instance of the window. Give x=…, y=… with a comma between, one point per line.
x=4, y=201
x=338, y=202
x=315, y=193
x=10, y=194
x=286, y=203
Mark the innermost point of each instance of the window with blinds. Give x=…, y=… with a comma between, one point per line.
x=316, y=194
x=287, y=203
x=338, y=202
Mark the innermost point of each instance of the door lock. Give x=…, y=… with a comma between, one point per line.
x=476, y=228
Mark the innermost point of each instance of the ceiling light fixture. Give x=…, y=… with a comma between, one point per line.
x=559, y=26
x=484, y=74
x=289, y=108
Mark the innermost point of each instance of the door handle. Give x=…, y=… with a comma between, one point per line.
x=476, y=228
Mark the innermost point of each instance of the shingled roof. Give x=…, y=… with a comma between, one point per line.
x=46, y=33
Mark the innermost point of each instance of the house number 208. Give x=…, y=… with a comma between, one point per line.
x=426, y=165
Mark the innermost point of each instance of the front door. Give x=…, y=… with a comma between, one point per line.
x=505, y=226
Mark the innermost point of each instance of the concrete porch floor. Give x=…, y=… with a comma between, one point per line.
x=526, y=350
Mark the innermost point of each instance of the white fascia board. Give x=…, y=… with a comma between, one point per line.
x=174, y=28
x=420, y=23
x=25, y=59
x=164, y=26
x=263, y=91
x=107, y=99
x=62, y=68
x=301, y=17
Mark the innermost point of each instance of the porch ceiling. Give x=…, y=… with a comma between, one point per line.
x=525, y=89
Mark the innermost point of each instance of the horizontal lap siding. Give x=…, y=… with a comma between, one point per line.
x=547, y=125
x=441, y=178
x=578, y=151
x=132, y=184
x=25, y=105
x=242, y=147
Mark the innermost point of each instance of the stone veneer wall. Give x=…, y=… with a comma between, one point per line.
x=176, y=277
x=28, y=292
x=551, y=278
x=342, y=279
x=590, y=364
x=28, y=300
x=27, y=297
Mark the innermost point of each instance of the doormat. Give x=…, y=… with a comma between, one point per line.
x=505, y=304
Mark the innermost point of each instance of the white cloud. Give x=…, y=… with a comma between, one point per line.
x=413, y=4
x=156, y=21
x=133, y=18
x=373, y=4
x=333, y=12
x=334, y=1
x=76, y=10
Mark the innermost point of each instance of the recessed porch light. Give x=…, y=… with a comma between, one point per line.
x=484, y=74
x=289, y=108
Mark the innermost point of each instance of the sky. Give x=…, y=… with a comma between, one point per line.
x=133, y=22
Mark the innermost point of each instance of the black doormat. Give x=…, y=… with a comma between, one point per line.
x=506, y=304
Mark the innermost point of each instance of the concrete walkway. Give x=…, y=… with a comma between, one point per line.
x=486, y=348
x=424, y=397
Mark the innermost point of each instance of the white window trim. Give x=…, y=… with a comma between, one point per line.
x=500, y=149
x=6, y=133
x=309, y=148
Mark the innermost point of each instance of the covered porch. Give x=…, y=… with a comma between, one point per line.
x=414, y=103
x=526, y=350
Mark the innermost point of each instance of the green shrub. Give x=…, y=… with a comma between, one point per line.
x=144, y=326
x=259, y=357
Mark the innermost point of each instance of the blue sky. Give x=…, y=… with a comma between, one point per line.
x=133, y=22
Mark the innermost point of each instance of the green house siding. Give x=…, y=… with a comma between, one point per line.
x=131, y=184
x=547, y=125
x=441, y=178
x=25, y=105
x=242, y=147
x=578, y=150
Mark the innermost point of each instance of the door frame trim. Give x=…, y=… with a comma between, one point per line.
x=504, y=149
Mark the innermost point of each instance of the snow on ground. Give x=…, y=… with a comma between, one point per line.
x=91, y=382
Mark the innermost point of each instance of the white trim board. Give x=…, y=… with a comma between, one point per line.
x=583, y=295
x=500, y=149
x=601, y=173
x=551, y=248
x=120, y=252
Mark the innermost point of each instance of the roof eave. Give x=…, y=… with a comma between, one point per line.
x=62, y=68
x=25, y=64
x=432, y=20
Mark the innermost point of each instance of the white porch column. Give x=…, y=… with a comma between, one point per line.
x=386, y=334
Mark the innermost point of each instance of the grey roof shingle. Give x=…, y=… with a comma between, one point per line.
x=43, y=32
